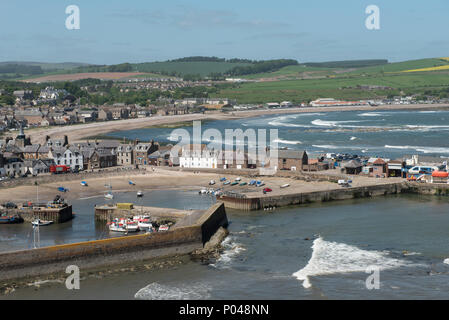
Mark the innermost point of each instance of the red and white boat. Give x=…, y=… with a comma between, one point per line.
x=123, y=225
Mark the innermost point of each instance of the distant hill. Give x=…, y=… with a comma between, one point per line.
x=347, y=63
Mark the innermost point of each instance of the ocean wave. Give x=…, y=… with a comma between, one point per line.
x=287, y=141
x=339, y=124
x=231, y=250
x=420, y=149
x=157, y=291
x=370, y=114
x=331, y=146
x=334, y=258
x=280, y=122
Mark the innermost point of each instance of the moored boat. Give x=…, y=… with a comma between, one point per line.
x=285, y=185
x=10, y=219
x=39, y=222
x=139, y=194
x=109, y=195
x=84, y=183
x=163, y=227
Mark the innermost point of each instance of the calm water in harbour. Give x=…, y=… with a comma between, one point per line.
x=83, y=227
x=381, y=133
x=267, y=257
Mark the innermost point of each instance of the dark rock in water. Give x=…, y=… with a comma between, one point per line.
x=307, y=239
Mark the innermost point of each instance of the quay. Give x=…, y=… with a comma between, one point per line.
x=249, y=201
x=57, y=214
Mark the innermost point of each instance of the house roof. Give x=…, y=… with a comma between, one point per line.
x=353, y=164
x=379, y=161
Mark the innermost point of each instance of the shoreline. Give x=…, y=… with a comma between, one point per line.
x=78, y=132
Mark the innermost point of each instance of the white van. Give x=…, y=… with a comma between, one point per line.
x=422, y=170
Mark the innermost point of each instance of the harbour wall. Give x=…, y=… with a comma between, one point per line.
x=113, y=251
x=241, y=202
x=57, y=215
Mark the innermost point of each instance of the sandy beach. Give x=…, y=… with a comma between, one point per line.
x=172, y=179
x=79, y=132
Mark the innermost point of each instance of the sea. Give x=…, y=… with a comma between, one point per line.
x=389, y=134
x=315, y=251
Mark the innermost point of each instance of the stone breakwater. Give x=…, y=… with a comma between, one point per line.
x=248, y=202
x=106, y=253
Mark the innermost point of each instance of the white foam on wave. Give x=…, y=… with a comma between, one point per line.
x=279, y=122
x=339, y=124
x=446, y=261
x=333, y=258
x=369, y=114
x=157, y=291
x=353, y=138
x=331, y=146
x=420, y=149
x=231, y=250
x=287, y=141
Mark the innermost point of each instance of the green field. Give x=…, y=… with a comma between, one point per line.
x=340, y=87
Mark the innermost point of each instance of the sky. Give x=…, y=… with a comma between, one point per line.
x=117, y=31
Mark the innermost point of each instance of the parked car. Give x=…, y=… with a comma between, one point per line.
x=10, y=205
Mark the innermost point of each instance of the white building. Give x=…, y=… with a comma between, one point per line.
x=71, y=157
x=199, y=157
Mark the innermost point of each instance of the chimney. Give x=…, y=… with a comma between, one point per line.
x=47, y=138
x=66, y=140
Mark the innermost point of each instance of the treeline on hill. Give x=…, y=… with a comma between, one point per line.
x=262, y=66
x=250, y=67
x=211, y=59
x=20, y=69
x=347, y=63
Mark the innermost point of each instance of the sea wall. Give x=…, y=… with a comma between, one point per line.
x=257, y=203
x=57, y=215
x=108, y=252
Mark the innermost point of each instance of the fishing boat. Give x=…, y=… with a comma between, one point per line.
x=123, y=225
x=131, y=183
x=62, y=189
x=10, y=219
x=223, y=179
x=203, y=191
x=139, y=194
x=238, y=179
x=226, y=183
x=243, y=184
x=285, y=185
x=39, y=222
x=234, y=183
x=84, y=183
x=212, y=182
x=143, y=222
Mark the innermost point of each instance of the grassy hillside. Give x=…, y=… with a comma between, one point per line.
x=342, y=87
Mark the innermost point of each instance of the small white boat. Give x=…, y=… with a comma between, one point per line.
x=212, y=182
x=109, y=196
x=163, y=227
x=238, y=179
x=139, y=194
x=84, y=183
x=39, y=222
x=203, y=191
x=285, y=185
